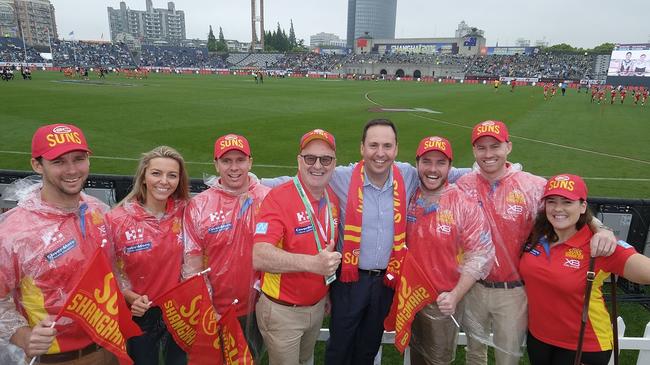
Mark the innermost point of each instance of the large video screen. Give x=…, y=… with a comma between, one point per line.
x=629, y=63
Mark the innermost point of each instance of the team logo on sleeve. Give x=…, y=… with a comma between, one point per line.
x=261, y=228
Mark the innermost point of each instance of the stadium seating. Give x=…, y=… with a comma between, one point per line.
x=91, y=54
x=11, y=50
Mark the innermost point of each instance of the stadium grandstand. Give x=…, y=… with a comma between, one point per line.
x=118, y=55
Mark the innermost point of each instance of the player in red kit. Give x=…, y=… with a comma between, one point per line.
x=637, y=96
x=546, y=91
x=613, y=95
x=645, y=96
x=601, y=94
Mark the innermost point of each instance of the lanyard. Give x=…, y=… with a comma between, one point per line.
x=329, y=220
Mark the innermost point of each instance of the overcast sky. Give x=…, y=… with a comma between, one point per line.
x=581, y=23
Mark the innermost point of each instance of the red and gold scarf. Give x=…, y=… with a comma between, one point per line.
x=353, y=221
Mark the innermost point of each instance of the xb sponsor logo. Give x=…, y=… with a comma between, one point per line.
x=515, y=209
x=444, y=229
x=572, y=263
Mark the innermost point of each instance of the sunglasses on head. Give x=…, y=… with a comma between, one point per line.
x=311, y=159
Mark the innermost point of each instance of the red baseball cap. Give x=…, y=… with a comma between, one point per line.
x=317, y=134
x=231, y=142
x=494, y=128
x=435, y=143
x=569, y=186
x=53, y=140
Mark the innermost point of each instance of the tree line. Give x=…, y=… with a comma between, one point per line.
x=274, y=41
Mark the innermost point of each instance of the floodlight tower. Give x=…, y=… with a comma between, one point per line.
x=254, y=20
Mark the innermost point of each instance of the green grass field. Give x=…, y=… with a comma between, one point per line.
x=607, y=144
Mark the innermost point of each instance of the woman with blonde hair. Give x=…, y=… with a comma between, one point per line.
x=146, y=231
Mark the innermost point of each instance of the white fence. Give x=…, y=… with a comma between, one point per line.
x=625, y=343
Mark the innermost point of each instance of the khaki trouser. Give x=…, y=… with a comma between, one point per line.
x=290, y=333
x=501, y=311
x=99, y=357
x=434, y=336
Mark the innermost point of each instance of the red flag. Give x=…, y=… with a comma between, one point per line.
x=235, y=347
x=190, y=318
x=413, y=292
x=97, y=304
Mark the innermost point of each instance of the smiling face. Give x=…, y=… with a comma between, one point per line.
x=379, y=150
x=63, y=177
x=491, y=156
x=233, y=168
x=433, y=168
x=161, y=179
x=316, y=176
x=563, y=213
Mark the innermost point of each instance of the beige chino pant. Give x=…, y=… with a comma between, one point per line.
x=290, y=333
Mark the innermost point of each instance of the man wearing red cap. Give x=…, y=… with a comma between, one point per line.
x=510, y=199
x=44, y=242
x=450, y=239
x=295, y=250
x=218, y=229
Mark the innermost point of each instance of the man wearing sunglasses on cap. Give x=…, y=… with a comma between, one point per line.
x=294, y=247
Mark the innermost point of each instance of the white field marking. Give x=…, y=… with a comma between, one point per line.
x=424, y=110
x=529, y=139
x=136, y=159
x=545, y=142
x=370, y=100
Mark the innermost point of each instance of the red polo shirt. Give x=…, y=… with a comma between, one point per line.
x=555, y=284
x=148, y=251
x=283, y=221
x=449, y=238
x=510, y=205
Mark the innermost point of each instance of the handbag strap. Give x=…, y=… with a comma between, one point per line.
x=591, y=275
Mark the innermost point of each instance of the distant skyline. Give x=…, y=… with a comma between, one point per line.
x=578, y=23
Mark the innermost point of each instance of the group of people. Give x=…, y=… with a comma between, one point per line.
x=286, y=250
x=638, y=94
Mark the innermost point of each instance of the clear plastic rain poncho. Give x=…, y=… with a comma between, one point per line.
x=148, y=250
x=218, y=229
x=449, y=238
x=43, y=251
x=510, y=205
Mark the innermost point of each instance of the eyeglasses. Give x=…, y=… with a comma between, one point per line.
x=311, y=159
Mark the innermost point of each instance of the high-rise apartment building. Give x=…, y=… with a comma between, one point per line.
x=32, y=20
x=150, y=25
x=371, y=18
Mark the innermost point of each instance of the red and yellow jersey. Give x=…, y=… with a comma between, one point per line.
x=283, y=221
x=43, y=253
x=219, y=226
x=148, y=251
x=555, y=284
x=449, y=238
x=510, y=205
